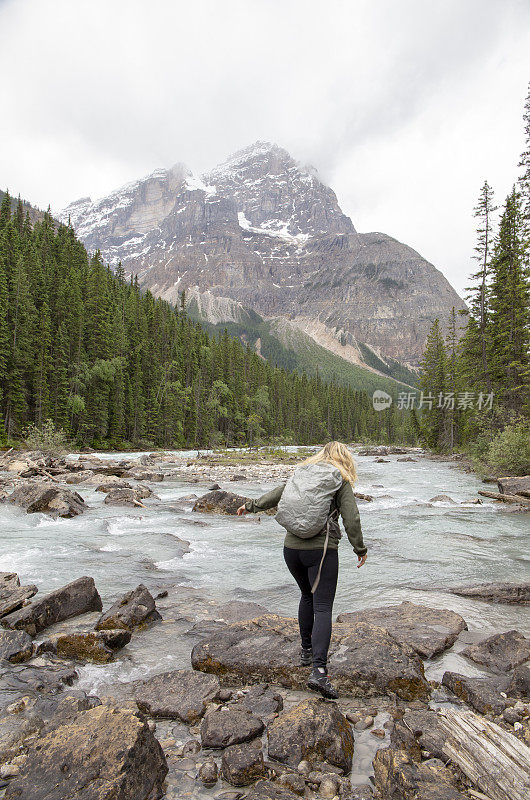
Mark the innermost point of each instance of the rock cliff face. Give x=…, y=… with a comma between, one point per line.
x=265, y=231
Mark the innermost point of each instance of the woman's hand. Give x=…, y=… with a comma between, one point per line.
x=241, y=510
x=361, y=559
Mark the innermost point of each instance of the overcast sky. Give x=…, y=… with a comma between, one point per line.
x=403, y=106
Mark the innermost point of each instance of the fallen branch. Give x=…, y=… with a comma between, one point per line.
x=506, y=498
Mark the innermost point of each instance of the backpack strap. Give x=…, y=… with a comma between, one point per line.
x=334, y=515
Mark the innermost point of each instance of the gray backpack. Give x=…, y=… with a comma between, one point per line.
x=304, y=507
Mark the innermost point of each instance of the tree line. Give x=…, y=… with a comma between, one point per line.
x=483, y=361
x=110, y=365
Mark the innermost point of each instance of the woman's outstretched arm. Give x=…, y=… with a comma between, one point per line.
x=263, y=503
x=352, y=523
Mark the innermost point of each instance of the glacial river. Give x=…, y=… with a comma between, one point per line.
x=416, y=550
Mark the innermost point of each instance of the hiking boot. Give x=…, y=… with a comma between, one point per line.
x=319, y=682
x=306, y=657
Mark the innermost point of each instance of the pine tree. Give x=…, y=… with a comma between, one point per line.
x=434, y=386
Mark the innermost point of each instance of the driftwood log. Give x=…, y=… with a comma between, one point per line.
x=494, y=760
x=506, y=498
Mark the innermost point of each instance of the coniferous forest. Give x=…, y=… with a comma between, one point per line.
x=482, y=365
x=112, y=366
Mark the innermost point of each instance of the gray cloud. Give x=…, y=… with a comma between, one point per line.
x=403, y=107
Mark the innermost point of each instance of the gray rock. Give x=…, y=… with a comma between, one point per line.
x=97, y=647
x=267, y=790
x=400, y=777
x=14, y=730
x=77, y=597
x=12, y=594
x=208, y=772
x=219, y=502
x=110, y=485
x=223, y=727
x=139, y=474
x=134, y=608
x=262, y=701
x=519, y=685
x=182, y=694
x=417, y=731
x=312, y=729
x=509, y=593
x=122, y=497
x=15, y=646
x=242, y=764
x=103, y=752
x=429, y=631
x=441, y=498
x=292, y=781
x=519, y=485
x=48, y=499
x=483, y=694
x=501, y=652
x=364, y=659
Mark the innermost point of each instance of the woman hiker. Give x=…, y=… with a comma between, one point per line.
x=308, y=507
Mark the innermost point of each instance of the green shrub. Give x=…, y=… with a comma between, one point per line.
x=47, y=438
x=509, y=452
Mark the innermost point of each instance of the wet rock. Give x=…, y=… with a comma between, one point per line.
x=292, y=781
x=208, y=772
x=364, y=659
x=219, y=502
x=103, y=752
x=238, y=477
x=267, y=790
x=242, y=764
x=428, y=631
x=510, y=593
x=417, y=731
x=22, y=680
x=223, y=727
x=14, y=730
x=212, y=487
x=112, y=483
x=15, y=646
x=519, y=685
x=515, y=485
x=483, y=694
x=142, y=491
x=12, y=594
x=9, y=771
x=145, y=475
x=312, y=729
x=399, y=777
x=48, y=499
x=96, y=646
x=501, y=652
x=511, y=716
x=441, y=498
x=407, y=458
x=364, y=723
x=77, y=597
x=134, y=608
x=181, y=694
x=262, y=701
x=329, y=786
x=123, y=497
x=79, y=477
x=380, y=733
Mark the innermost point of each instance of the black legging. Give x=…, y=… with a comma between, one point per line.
x=314, y=611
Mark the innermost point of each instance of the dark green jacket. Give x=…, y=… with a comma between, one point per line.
x=344, y=502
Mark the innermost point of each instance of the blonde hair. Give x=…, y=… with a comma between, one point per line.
x=336, y=453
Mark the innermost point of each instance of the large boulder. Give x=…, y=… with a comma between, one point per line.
x=181, y=694
x=242, y=764
x=262, y=701
x=225, y=726
x=417, y=731
x=48, y=498
x=399, y=777
x=12, y=594
x=75, y=598
x=102, y=753
x=429, y=631
x=519, y=685
x=312, y=730
x=134, y=608
x=219, y=502
x=483, y=694
x=364, y=659
x=98, y=647
x=15, y=646
x=515, y=485
x=123, y=497
x=509, y=593
x=501, y=652
x=14, y=729
x=141, y=474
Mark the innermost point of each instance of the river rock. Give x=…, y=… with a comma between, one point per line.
x=48, y=499
x=419, y=731
x=77, y=597
x=96, y=646
x=441, y=498
x=483, y=694
x=519, y=685
x=182, y=694
x=14, y=729
x=509, y=593
x=208, y=772
x=429, y=631
x=104, y=752
x=219, y=502
x=314, y=729
x=262, y=701
x=515, y=485
x=111, y=483
x=15, y=646
x=12, y=594
x=139, y=474
x=364, y=659
x=79, y=477
x=269, y=790
x=242, y=764
x=399, y=777
x=501, y=652
x=134, y=608
x=122, y=497
x=225, y=726
x=22, y=680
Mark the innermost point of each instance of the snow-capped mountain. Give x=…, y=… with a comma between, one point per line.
x=263, y=230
